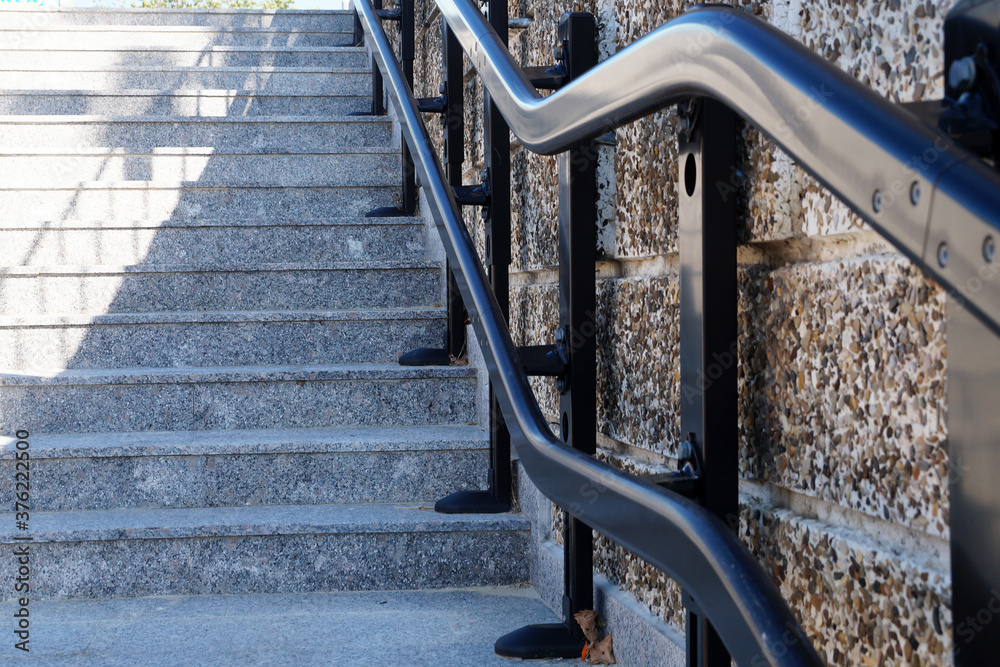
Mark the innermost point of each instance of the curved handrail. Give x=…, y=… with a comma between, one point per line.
x=852, y=140
x=671, y=532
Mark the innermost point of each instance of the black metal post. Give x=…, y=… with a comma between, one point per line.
x=973, y=435
x=708, y=328
x=453, y=121
x=408, y=199
x=359, y=32
x=576, y=334
x=496, y=218
x=408, y=192
x=378, y=95
x=454, y=157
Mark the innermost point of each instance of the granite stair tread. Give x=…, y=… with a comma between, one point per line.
x=217, y=374
x=152, y=524
x=206, y=103
x=327, y=20
x=79, y=58
x=253, y=441
x=222, y=316
x=110, y=269
x=14, y=223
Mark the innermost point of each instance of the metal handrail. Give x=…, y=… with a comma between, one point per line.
x=673, y=533
x=910, y=183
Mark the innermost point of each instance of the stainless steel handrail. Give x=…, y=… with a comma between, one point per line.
x=913, y=185
x=671, y=532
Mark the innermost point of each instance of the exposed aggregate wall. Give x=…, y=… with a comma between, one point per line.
x=842, y=356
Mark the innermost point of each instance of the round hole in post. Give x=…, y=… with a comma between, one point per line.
x=690, y=174
x=564, y=431
x=488, y=244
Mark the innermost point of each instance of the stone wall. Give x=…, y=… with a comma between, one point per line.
x=843, y=450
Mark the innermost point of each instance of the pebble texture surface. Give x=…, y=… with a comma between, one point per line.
x=842, y=349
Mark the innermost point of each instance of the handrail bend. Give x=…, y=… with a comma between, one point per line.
x=671, y=532
x=911, y=184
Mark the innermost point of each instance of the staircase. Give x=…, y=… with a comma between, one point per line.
x=199, y=327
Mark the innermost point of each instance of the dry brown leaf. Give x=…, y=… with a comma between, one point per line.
x=588, y=623
x=601, y=653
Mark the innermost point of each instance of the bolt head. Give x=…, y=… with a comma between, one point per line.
x=962, y=73
x=484, y=176
x=484, y=213
x=915, y=193
x=989, y=250
x=942, y=255
x=560, y=53
x=877, y=201
x=560, y=335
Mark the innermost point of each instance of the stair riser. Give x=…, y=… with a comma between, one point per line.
x=198, y=39
x=182, y=105
x=228, y=170
x=236, y=405
x=219, y=291
x=120, y=204
x=215, y=344
x=101, y=60
x=158, y=482
x=291, y=20
x=223, y=136
x=274, y=564
x=224, y=246
x=277, y=82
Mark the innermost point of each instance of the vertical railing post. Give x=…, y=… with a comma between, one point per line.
x=454, y=158
x=408, y=198
x=453, y=125
x=496, y=156
x=359, y=32
x=403, y=13
x=974, y=459
x=496, y=221
x=576, y=336
x=708, y=328
x=378, y=95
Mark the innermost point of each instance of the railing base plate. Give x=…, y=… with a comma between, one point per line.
x=471, y=502
x=426, y=356
x=536, y=642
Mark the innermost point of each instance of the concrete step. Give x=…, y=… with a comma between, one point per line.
x=45, y=36
x=273, y=80
x=338, y=21
x=280, y=549
x=131, y=340
x=97, y=56
x=362, y=629
x=64, y=290
x=246, y=397
x=177, y=103
x=308, y=466
x=155, y=200
x=279, y=134
x=208, y=242
x=204, y=165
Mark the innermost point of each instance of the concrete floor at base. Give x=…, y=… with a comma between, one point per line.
x=440, y=628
